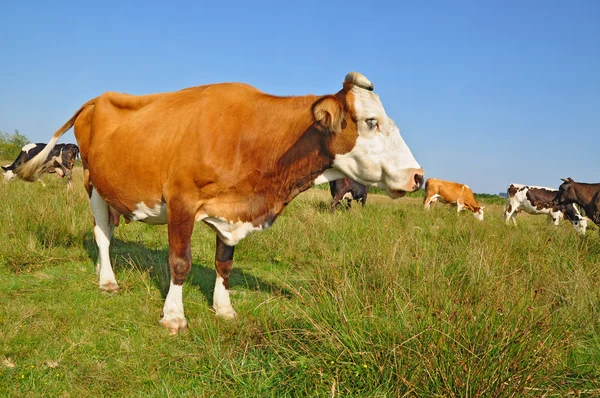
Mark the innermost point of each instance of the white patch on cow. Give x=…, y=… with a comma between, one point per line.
x=156, y=215
x=103, y=232
x=348, y=196
x=380, y=156
x=221, y=301
x=9, y=175
x=328, y=175
x=435, y=198
x=27, y=147
x=230, y=232
x=173, y=316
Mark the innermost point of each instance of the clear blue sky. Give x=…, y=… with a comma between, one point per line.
x=484, y=92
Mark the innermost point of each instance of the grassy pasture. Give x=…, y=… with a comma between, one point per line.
x=385, y=301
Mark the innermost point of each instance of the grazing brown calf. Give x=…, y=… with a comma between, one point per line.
x=453, y=193
x=587, y=196
x=228, y=155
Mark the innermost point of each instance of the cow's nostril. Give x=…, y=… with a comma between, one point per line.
x=418, y=180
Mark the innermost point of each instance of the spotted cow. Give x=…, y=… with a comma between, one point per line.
x=541, y=200
x=230, y=156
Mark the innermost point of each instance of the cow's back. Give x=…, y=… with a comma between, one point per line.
x=448, y=190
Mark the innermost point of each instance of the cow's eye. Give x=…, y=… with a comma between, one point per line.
x=371, y=123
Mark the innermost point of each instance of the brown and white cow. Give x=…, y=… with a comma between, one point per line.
x=541, y=200
x=228, y=155
x=453, y=193
x=587, y=196
x=60, y=160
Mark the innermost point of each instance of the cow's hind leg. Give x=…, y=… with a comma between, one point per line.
x=428, y=201
x=223, y=265
x=510, y=213
x=181, y=225
x=103, y=232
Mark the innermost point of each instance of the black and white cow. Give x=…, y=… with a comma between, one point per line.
x=60, y=160
x=541, y=200
x=347, y=190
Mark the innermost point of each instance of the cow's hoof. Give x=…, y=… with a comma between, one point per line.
x=225, y=312
x=174, y=324
x=110, y=286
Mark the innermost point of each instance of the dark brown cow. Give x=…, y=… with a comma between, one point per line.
x=587, y=196
x=347, y=190
x=228, y=155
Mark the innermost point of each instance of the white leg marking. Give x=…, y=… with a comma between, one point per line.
x=459, y=207
x=103, y=232
x=221, y=301
x=173, y=317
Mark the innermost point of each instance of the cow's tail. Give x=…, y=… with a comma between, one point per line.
x=30, y=169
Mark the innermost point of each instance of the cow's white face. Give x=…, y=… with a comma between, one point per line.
x=8, y=175
x=380, y=156
x=479, y=214
x=580, y=225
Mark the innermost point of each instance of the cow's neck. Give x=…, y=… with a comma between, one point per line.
x=584, y=195
x=296, y=169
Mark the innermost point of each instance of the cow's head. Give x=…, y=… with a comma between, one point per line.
x=566, y=192
x=574, y=216
x=478, y=213
x=8, y=174
x=365, y=142
x=580, y=225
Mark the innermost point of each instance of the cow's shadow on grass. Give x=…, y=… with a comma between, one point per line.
x=134, y=256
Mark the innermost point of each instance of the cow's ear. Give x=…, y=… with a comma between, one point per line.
x=329, y=114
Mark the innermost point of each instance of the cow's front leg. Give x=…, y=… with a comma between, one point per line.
x=223, y=265
x=181, y=224
x=103, y=232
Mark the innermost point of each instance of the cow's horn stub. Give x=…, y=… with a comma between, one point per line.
x=359, y=80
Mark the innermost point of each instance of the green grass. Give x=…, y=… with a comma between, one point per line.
x=384, y=301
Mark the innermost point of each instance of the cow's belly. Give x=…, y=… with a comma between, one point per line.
x=441, y=199
x=529, y=208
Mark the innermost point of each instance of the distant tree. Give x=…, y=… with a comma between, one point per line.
x=11, y=144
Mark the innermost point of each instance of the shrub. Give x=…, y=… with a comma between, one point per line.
x=11, y=144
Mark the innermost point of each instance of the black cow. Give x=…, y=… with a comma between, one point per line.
x=60, y=160
x=347, y=190
x=587, y=196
